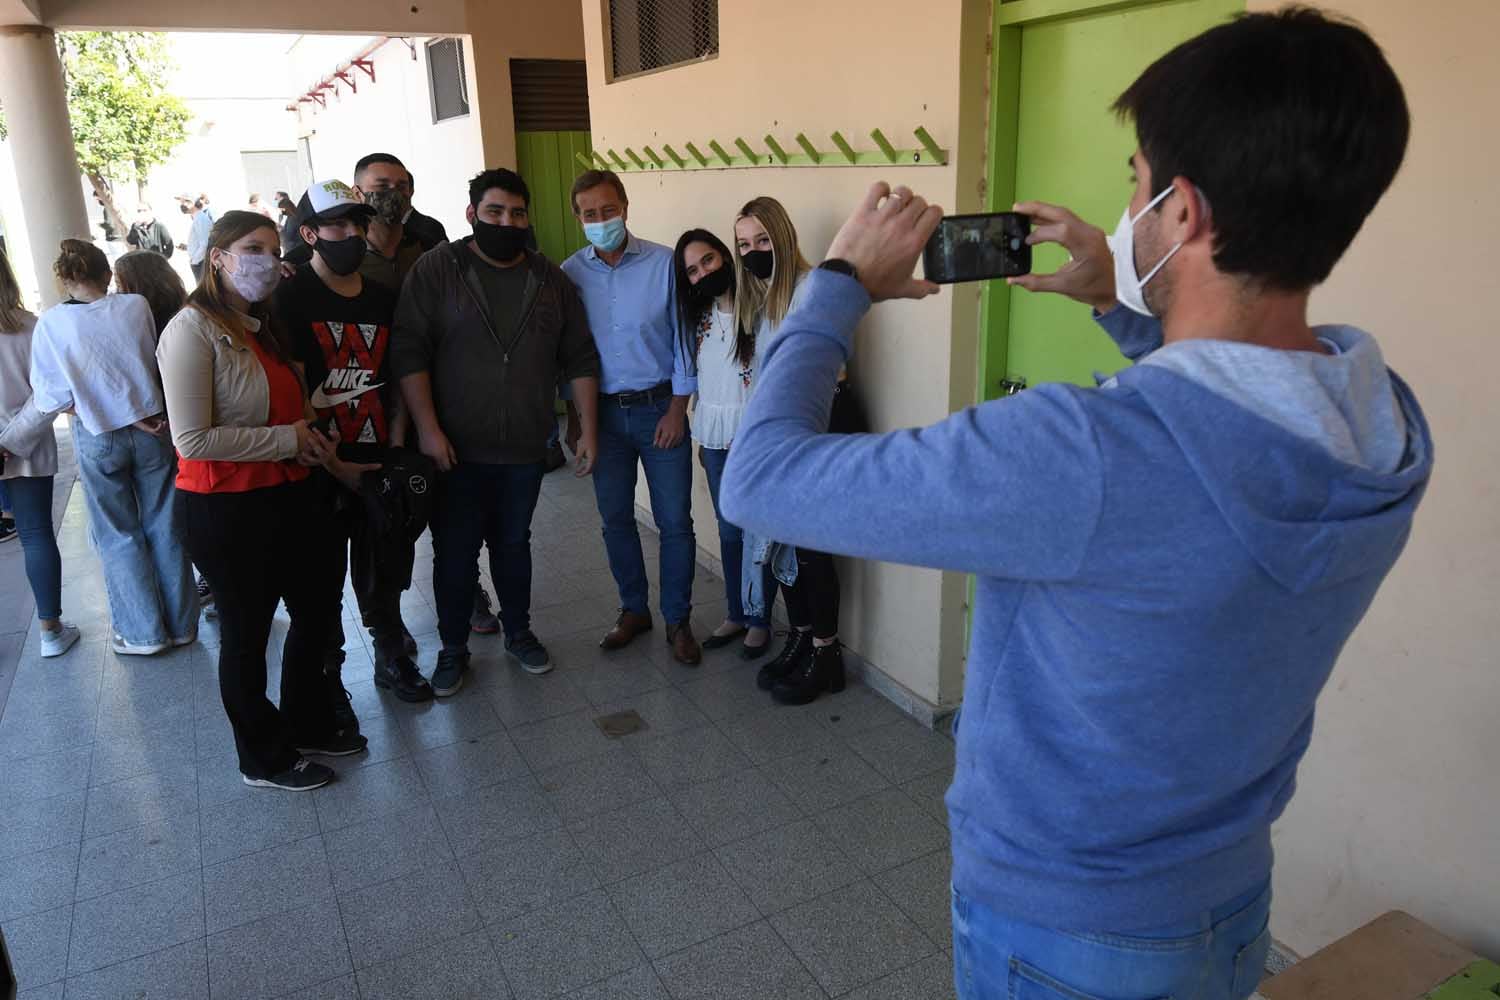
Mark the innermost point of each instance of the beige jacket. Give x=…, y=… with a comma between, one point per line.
x=25, y=431
x=218, y=398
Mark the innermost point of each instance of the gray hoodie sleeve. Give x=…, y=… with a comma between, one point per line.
x=414, y=336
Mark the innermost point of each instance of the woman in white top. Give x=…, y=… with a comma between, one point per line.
x=95, y=355
x=30, y=455
x=725, y=353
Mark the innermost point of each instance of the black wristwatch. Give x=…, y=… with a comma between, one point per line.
x=839, y=266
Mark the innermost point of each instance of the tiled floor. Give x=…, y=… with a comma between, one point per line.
x=488, y=846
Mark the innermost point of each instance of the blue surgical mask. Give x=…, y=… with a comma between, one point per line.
x=608, y=236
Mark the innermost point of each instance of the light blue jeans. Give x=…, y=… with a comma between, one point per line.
x=136, y=525
x=1218, y=955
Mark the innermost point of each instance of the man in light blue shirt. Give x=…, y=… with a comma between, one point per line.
x=197, y=243
x=628, y=290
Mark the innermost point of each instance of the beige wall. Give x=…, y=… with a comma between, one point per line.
x=1398, y=802
x=776, y=73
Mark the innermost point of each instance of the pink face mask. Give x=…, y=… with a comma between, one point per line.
x=256, y=275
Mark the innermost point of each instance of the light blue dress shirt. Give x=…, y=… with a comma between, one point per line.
x=632, y=309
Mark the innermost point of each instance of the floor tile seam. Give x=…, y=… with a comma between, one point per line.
x=127, y=961
x=321, y=982
x=936, y=947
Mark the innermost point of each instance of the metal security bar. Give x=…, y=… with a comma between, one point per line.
x=646, y=35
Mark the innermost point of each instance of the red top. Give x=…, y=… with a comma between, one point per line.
x=208, y=476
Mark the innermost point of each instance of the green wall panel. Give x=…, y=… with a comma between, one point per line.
x=546, y=160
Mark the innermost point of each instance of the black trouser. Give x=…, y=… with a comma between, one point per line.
x=255, y=549
x=814, y=599
x=381, y=567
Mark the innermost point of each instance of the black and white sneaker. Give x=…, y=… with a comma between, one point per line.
x=344, y=743
x=527, y=650
x=7, y=529
x=206, y=599
x=452, y=664
x=303, y=776
x=402, y=678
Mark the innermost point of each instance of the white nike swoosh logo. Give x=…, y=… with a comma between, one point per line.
x=322, y=401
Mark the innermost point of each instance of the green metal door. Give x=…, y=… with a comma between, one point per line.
x=546, y=160
x=1059, y=66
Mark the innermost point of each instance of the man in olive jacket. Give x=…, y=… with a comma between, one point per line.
x=485, y=331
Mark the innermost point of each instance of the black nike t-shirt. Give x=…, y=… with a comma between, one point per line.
x=343, y=345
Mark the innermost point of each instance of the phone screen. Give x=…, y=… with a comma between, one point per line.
x=976, y=247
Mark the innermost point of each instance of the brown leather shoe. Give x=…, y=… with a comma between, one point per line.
x=685, y=648
x=627, y=627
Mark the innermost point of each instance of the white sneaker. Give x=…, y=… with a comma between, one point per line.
x=186, y=640
x=59, y=642
x=124, y=647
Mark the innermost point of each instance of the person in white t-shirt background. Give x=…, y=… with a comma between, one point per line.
x=95, y=355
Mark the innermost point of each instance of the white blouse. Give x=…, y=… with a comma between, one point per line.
x=723, y=382
x=99, y=358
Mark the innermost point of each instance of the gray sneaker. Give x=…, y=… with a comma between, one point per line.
x=527, y=650
x=59, y=642
x=452, y=664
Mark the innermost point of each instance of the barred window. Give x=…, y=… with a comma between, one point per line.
x=647, y=35
x=447, y=79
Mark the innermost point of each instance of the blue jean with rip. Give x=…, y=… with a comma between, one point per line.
x=732, y=547
x=626, y=437
x=136, y=524
x=30, y=499
x=1218, y=955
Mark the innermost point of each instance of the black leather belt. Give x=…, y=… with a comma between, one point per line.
x=644, y=397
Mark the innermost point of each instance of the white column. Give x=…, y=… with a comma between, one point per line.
x=41, y=142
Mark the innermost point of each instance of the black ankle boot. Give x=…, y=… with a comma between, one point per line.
x=822, y=671
x=343, y=705
x=797, y=649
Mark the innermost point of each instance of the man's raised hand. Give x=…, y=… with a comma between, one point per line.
x=883, y=239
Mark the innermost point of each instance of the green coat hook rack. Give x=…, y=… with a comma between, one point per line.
x=927, y=153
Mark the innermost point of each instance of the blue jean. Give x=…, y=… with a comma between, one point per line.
x=732, y=547
x=137, y=527
x=1217, y=956
x=478, y=505
x=626, y=434
x=30, y=499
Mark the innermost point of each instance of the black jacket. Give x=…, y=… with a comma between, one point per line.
x=151, y=236
x=494, y=398
x=428, y=231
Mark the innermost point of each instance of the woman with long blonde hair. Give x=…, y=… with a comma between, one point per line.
x=769, y=268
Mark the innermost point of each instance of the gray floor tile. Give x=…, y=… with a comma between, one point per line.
x=126, y=717
x=45, y=776
x=666, y=710
x=819, y=781
x=851, y=937
x=882, y=831
x=688, y=756
x=679, y=905
x=39, y=946
x=733, y=806
x=262, y=819
x=407, y=914
x=30, y=735
x=277, y=955
x=52, y=991
x=212, y=735
x=787, y=866
x=145, y=799
x=635, y=839
x=597, y=784
x=441, y=722
x=141, y=753
x=921, y=889
x=928, y=792
x=567, y=946
x=621, y=680
x=525, y=874
x=561, y=740
x=176, y=973
x=532, y=699
x=220, y=781
x=929, y=979
x=140, y=855
x=639, y=983
x=752, y=963
x=342, y=988
x=28, y=827
x=110, y=929
x=904, y=750
x=779, y=731
x=35, y=882
x=377, y=790
x=725, y=696
x=854, y=711
x=256, y=886
x=386, y=742
x=480, y=819
x=470, y=763
x=384, y=848
x=464, y=969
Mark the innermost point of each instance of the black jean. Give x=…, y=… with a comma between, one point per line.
x=255, y=549
x=381, y=568
x=489, y=505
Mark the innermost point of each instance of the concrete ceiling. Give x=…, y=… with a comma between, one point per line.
x=20, y=12
x=345, y=17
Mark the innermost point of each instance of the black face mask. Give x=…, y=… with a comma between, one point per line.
x=500, y=243
x=759, y=263
x=342, y=256
x=710, y=286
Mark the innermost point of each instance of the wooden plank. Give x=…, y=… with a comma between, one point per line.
x=1393, y=957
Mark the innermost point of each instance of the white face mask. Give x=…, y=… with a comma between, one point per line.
x=1130, y=288
x=256, y=275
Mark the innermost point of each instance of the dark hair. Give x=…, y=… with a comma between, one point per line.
x=497, y=177
x=374, y=158
x=144, y=273
x=593, y=178
x=81, y=261
x=1292, y=124
x=690, y=313
x=209, y=296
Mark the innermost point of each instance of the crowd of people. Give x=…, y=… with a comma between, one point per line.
x=309, y=408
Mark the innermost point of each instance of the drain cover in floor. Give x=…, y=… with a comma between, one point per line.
x=618, y=724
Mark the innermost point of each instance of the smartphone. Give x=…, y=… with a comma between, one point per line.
x=325, y=426
x=977, y=247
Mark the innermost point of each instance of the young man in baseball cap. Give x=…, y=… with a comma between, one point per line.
x=339, y=326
